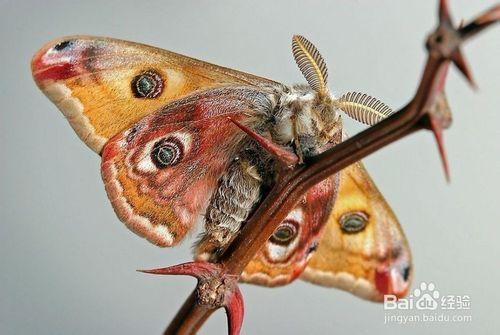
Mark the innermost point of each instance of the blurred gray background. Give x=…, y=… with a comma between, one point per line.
x=67, y=263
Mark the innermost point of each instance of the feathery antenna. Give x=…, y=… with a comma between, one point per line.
x=310, y=62
x=363, y=108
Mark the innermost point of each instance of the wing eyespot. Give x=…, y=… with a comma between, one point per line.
x=148, y=84
x=285, y=233
x=167, y=152
x=353, y=222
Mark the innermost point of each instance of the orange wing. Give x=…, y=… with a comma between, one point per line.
x=363, y=249
x=104, y=85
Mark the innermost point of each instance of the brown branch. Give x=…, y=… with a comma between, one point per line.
x=189, y=318
x=443, y=47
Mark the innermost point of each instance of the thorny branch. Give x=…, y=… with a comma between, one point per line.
x=218, y=282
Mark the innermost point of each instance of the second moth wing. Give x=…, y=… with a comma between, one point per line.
x=363, y=249
x=283, y=258
x=160, y=173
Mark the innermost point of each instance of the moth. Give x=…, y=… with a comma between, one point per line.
x=169, y=131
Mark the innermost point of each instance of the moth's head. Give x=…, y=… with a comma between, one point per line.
x=307, y=114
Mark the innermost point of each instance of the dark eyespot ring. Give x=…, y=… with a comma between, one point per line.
x=63, y=45
x=353, y=222
x=167, y=152
x=148, y=85
x=285, y=233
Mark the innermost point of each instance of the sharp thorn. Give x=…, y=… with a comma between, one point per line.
x=492, y=15
x=438, y=135
x=481, y=22
x=194, y=269
x=235, y=311
x=283, y=155
x=459, y=60
x=444, y=12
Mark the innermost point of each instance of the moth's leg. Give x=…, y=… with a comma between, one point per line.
x=238, y=191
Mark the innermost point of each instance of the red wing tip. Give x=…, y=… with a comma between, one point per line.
x=60, y=58
x=393, y=280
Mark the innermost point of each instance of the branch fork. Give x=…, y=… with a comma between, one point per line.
x=215, y=289
x=428, y=109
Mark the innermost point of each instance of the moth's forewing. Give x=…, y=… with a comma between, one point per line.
x=104, y=86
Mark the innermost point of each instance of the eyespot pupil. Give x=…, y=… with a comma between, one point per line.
x=166, y=155
x=148, y=84
x=353, y=222
x=284, y=234
x=167, y=152
x=145, y=85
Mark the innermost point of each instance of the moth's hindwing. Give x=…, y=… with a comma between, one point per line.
x=160, y=173
x=104, y=86
x=284, y=256
x=363, y=249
